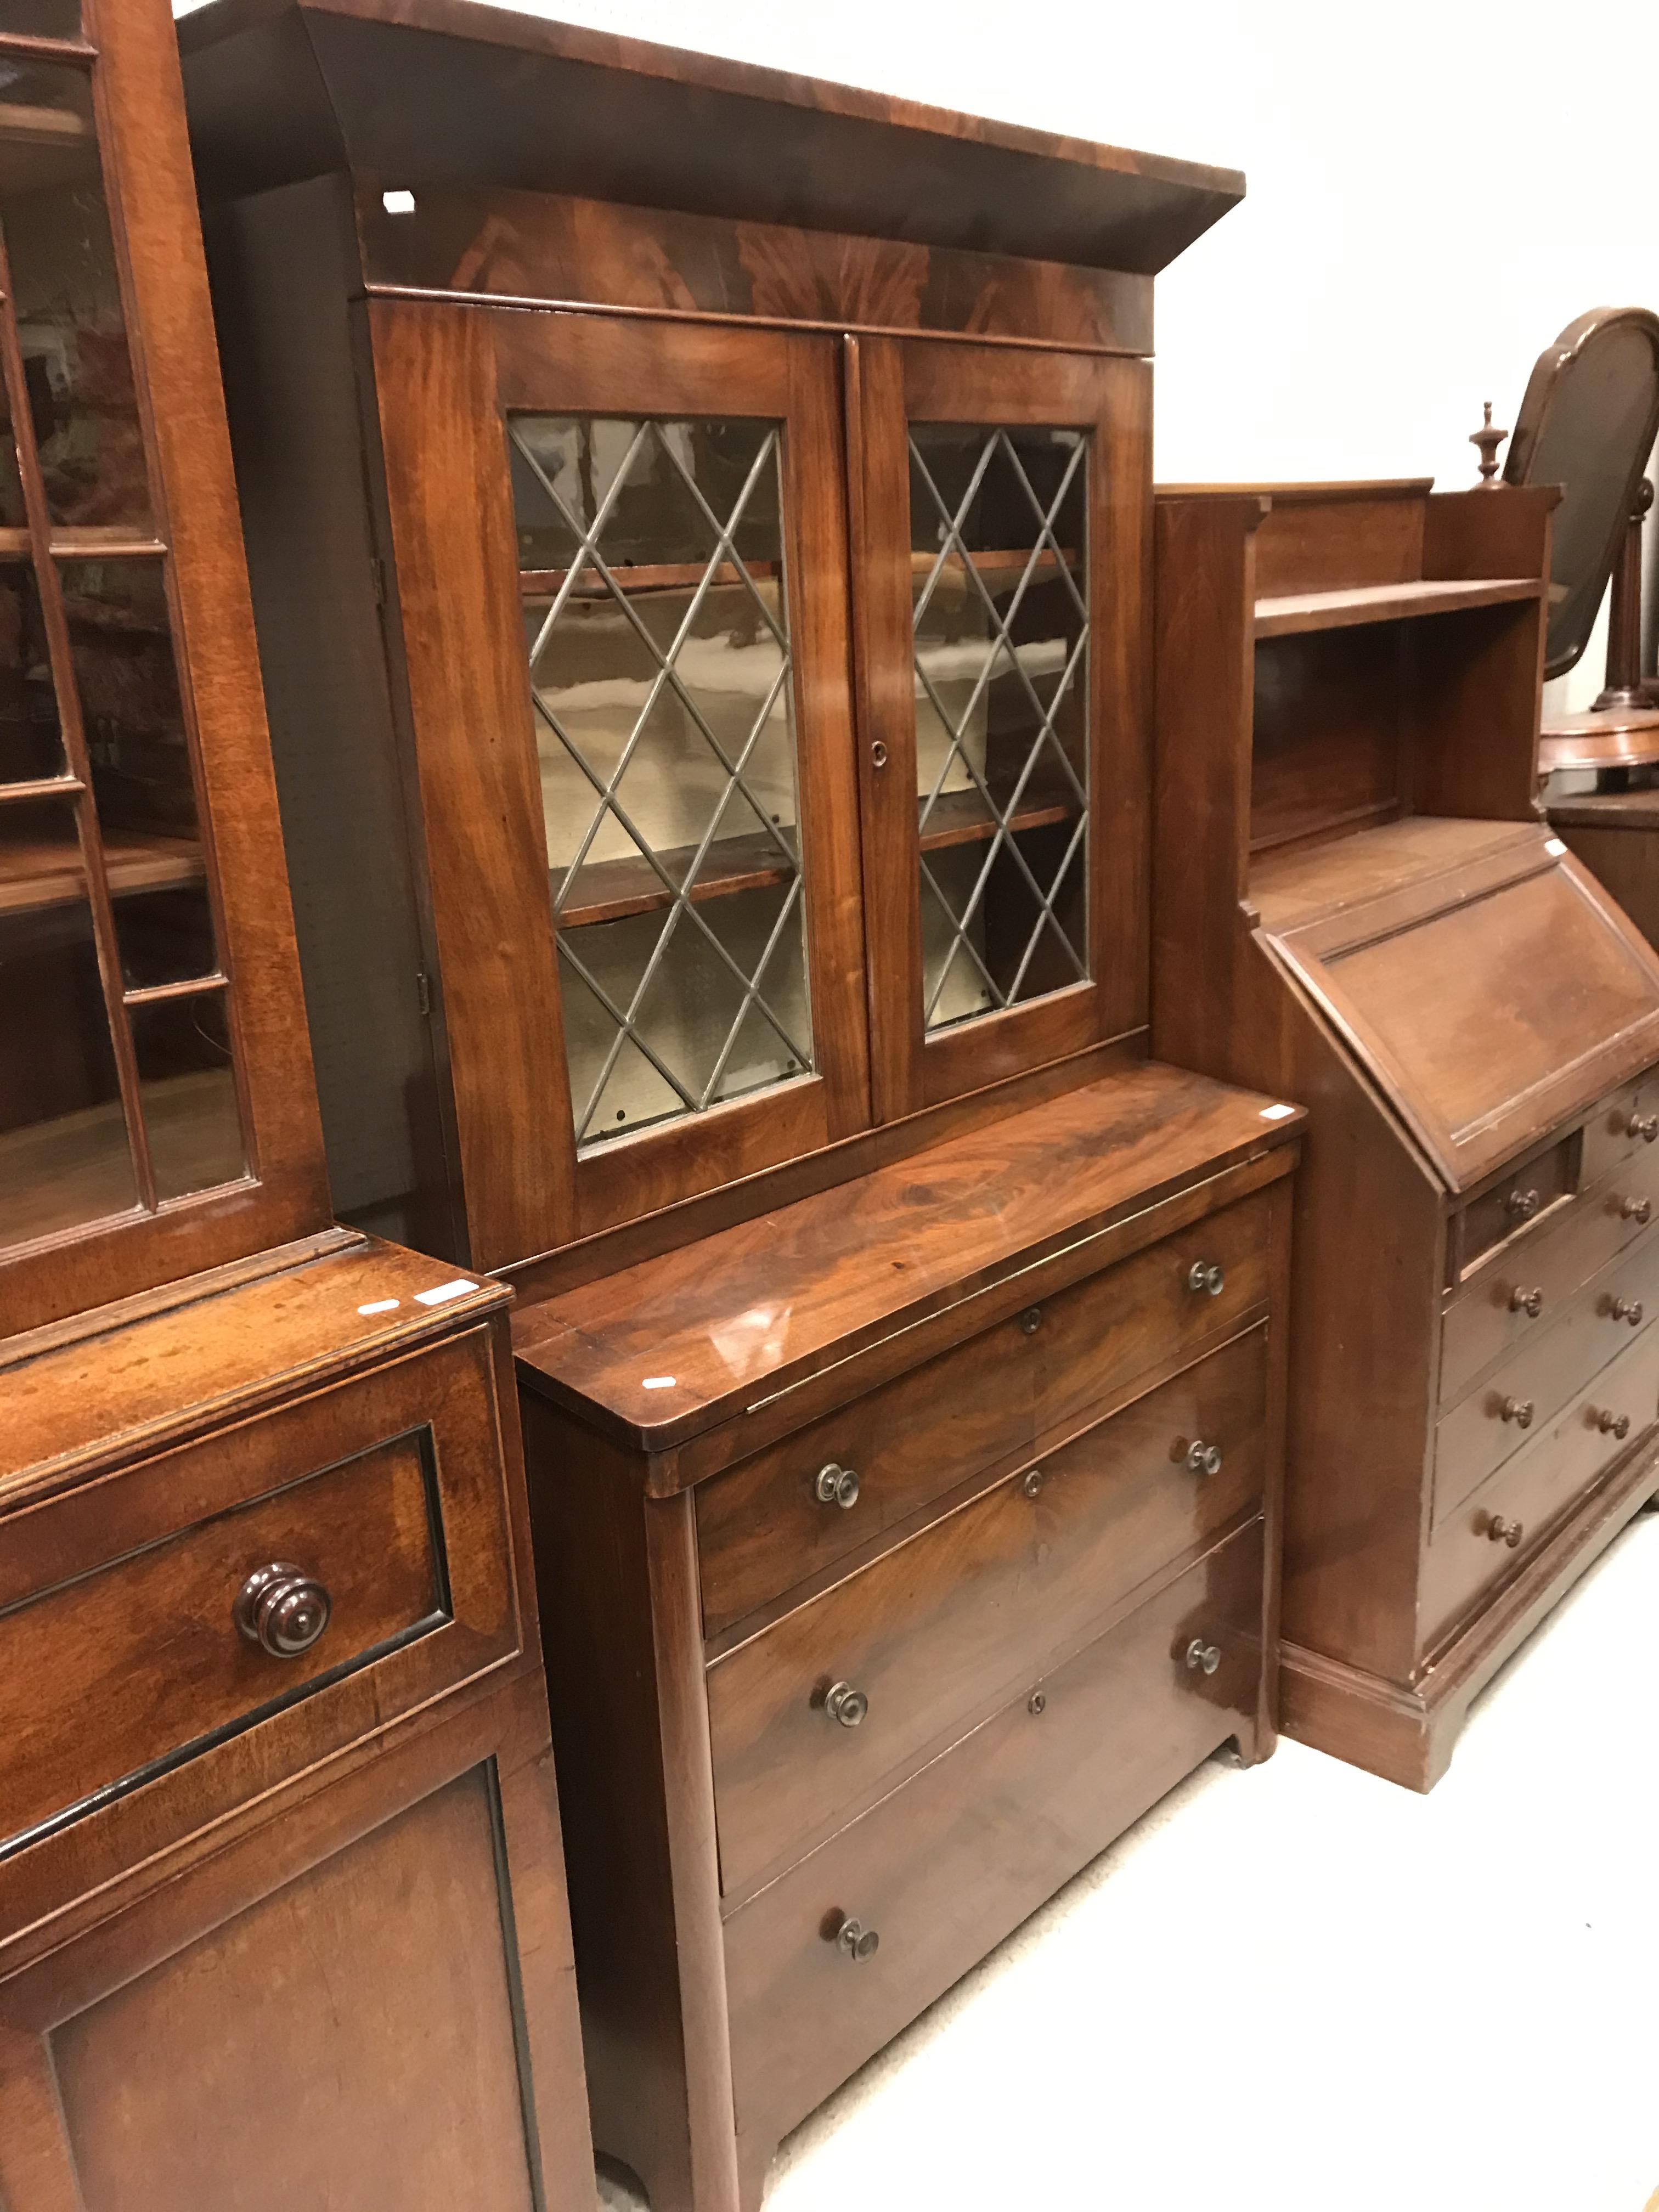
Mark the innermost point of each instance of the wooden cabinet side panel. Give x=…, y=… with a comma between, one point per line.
x=617, y=1578
x=1364, y=1313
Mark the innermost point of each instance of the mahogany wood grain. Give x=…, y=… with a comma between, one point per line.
x=129, y=1378
x=1297, y=614
x=564, y=250
x=936, y=1630
x=1290, y=888
x=1466, y=1558
x=796, y=1290
x=1523, y=1193
x=1616, y=1135
x=617, y=1575
x=462, y=659
x=1548, y=1369
x=1614, y=836
x=966, y=1848
x=762, y=1527
x=1488, y=1316
x=418, y=85
x=1320, y=537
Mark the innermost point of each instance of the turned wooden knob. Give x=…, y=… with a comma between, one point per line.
x=1504, y=1532
x=1202, y=1657
x=1518, y=1410
x=1644, y=1125
x=1527, y=1302
x=1522, y=1203
x=1202, y=1458
x=282, y=1609
x=1208, y=1275
x=1613, y=1424
x=1628, y=1310
x=1638, y=1209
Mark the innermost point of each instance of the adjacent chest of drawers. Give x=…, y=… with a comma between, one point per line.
x=281, y=1912
x=897, y=1552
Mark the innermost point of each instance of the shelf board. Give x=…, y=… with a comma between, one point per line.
x=609, y=890
x=90, y=541
x=1296, y=613
x=961, y=817
x=42, y=146
x=40, y=873
x=659, y=576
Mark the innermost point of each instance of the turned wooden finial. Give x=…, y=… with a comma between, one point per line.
x=1489, y=439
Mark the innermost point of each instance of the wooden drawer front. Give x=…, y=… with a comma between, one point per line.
x=943, y=1868
x=1523, y=1197
x=1589, y=1331
x=1624, y=1128
x=120, y=1656
x=762, y=1528
x=1491, y=1317
x=1467, y=1559
x=933, y=1631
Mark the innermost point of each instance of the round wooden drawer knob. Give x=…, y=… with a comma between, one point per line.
x=1638, y=1209
x=1645, y=1126
x=1202, y=1657
x=1628, y=1310
x=282, y=1609
x=1522, y=1203
x=837, y=1486
x=1208, y=1275
x=856, y=1941
x=1202, y=1458
x=846, y=1705
x=1527, y=1302
x=1612, y=1424
x=1504, y=1532
x=1518, y=1410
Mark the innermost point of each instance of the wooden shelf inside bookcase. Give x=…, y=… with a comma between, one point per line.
x=683, y=576
x=1296, y=613
x=46, y=872
x=611, y=891
x=42, y=146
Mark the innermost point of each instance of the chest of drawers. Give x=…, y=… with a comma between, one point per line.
x=895, y=1552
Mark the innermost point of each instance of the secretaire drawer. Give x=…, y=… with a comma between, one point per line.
x=963, y=1851
x=814, y=1712
x=1523, y=1287
x=789, y=1512
x=1627, y=1124
x=296, y=1580
x=1494, y=1532
x=1523, y=1394
x=1524, y=1196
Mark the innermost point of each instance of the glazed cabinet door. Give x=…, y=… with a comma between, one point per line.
x=1001, y=516
x=621, y=572
x=157, y=1114
x=387, y=2020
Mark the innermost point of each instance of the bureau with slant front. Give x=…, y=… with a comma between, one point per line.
x=953, y=1548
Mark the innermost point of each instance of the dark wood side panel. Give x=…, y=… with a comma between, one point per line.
x=616, y=1582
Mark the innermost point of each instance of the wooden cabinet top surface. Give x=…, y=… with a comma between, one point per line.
x=153, y=1370
x=667, y=1348
x=420, y=90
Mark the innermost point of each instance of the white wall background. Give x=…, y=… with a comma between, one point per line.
x=1435, y=189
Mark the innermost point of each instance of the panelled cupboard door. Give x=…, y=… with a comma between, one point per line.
x=622, y=577
x=360, y=2034
x=1001, y=519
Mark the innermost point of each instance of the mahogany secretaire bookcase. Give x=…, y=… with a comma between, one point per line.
x=1357, y=898
x=700, y=526
x=282, y=1917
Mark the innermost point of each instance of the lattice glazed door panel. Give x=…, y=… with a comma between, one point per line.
x=656, y=621
x=1000, y=621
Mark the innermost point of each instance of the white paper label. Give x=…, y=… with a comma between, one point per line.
x=444, y=1292
x=1553, y=844
x=1277, y=1113
x=658, y=1382
x=380, y=1305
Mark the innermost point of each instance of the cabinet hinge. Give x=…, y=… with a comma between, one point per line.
x=423, y=990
